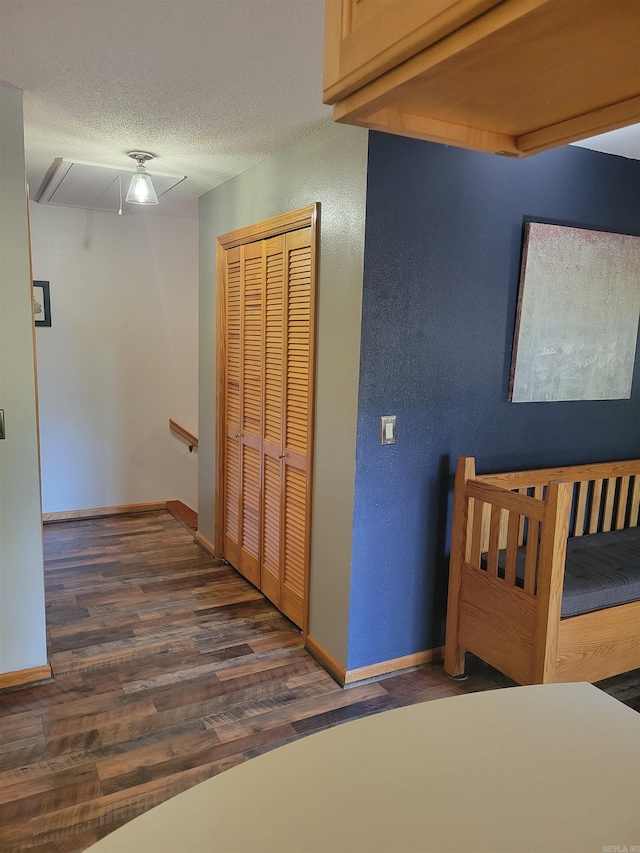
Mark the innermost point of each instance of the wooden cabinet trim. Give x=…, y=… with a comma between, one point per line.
x=546, y=74
x=381, y=93
x=351, y=60
x=302, y=217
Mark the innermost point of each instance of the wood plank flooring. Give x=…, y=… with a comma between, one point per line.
x=169, y=668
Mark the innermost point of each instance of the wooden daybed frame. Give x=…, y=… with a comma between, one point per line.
x=515, y=625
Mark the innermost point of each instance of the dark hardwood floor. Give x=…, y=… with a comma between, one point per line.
x=169, y=668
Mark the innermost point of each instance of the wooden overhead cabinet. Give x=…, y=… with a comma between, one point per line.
x=514, y=77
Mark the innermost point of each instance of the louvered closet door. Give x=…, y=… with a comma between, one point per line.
x=232, y=407
x=288, y=365
x=251, y=321
x=297, y=428
x=268, y=388
x=273, y=421
x=243, y=409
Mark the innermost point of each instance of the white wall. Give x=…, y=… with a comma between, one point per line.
x=330, y=166
x=120, y=358
x=22, y=622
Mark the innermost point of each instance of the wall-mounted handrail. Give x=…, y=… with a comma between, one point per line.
x=181, y=431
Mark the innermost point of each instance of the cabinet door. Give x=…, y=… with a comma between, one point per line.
x=365, y=38
x=252, y=324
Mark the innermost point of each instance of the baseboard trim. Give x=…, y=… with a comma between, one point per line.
x=23, y=677
x=205, y=544
x=98, y=512
x=346, y=677
x=327, y=661
x=183, y=513
x=394, y=665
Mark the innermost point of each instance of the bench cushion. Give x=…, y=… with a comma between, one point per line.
x=602, y=570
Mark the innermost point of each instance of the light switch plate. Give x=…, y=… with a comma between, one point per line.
x=388, y=429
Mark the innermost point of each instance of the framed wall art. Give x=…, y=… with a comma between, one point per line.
x=41, y=303
x=577, y=319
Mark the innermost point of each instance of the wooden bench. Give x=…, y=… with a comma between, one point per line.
x=507, y=568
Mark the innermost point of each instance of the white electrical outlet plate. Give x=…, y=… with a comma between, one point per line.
x=388, y=429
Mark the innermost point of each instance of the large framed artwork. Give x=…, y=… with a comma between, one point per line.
x=577, y=318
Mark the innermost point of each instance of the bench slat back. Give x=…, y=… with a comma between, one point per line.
x=604, y=497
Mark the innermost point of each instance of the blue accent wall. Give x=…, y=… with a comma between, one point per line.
x=442, y=256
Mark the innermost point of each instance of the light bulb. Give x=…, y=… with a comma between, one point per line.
x=141, y=189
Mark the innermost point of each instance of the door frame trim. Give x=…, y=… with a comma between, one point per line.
x=302, y=217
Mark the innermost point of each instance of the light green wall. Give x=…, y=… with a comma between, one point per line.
x=330, y=166
x=22, y=620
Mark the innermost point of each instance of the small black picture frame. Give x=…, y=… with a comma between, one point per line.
x=41, y=303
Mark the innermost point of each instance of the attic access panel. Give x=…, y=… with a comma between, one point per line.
x=92, y=186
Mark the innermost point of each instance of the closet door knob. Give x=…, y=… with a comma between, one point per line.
x=282, y=455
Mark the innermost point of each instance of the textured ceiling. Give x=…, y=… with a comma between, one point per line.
x=211, y=87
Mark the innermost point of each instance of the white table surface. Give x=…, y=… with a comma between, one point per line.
x=541, y=769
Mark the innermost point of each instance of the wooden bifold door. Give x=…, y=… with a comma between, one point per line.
x=266, y=296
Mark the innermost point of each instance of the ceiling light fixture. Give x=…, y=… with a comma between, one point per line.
x=141, y=189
